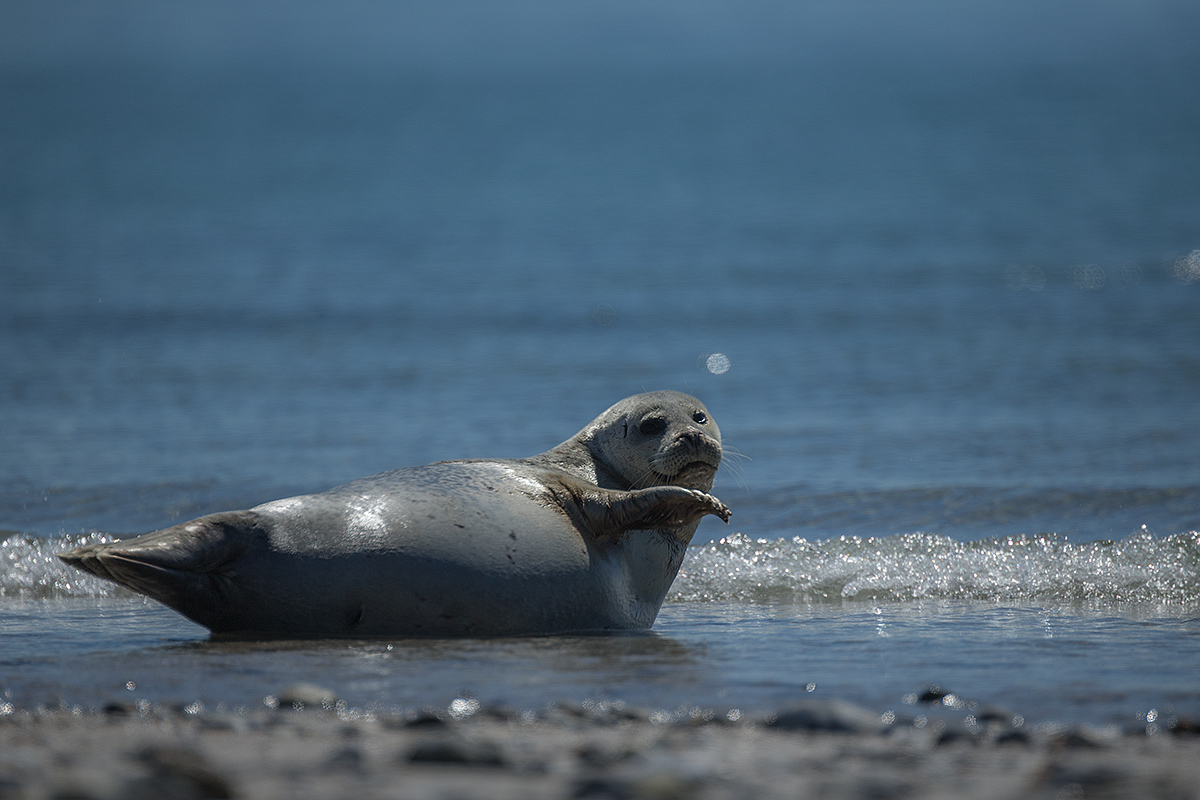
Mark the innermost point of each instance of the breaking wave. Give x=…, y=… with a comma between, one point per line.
x=1139, y=570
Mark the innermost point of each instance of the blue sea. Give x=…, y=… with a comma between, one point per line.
x=933, y=266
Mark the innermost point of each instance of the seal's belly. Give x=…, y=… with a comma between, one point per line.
x=463, y=554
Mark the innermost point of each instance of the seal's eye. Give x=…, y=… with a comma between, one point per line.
x=652, y=426
x=700, y=417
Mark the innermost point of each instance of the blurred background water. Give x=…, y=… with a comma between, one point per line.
x=933, y=266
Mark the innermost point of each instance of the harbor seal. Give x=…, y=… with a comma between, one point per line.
x=586, y=536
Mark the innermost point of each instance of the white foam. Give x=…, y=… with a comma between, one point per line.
x=30, y=568
x=1142, y=569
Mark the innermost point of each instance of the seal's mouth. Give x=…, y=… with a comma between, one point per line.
x=690, y=470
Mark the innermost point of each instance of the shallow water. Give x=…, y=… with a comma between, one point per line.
x=716, y=656
x=934, y=270
x=1099, y=632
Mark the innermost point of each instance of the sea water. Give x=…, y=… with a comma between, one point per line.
x=933, y=268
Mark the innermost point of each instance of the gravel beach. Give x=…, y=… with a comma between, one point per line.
x=311, y=746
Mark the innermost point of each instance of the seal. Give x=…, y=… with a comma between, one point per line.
x=586, y=536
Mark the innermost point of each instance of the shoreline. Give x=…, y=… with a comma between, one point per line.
x=313, y=746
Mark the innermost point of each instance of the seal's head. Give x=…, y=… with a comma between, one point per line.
x=654, y=439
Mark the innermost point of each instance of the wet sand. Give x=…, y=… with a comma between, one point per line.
x=321, y=749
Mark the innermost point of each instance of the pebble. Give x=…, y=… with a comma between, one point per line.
x=177, y=772
x=306, y=695
x=829, y=716
x=347, y=759
x=457, y=750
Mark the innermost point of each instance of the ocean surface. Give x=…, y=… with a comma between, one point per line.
x=934, y=267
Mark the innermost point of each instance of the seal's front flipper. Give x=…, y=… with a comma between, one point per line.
x=182, y=566
x=608, y=513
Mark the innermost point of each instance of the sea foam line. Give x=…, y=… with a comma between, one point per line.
x=1141, y=569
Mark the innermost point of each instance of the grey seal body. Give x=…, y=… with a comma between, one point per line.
x=586, y=536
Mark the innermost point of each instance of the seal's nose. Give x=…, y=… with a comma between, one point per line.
x=699, y=443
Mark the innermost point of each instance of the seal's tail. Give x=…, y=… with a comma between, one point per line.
x=182, y=566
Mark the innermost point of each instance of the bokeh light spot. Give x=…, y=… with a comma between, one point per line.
x=718, y=363
x=1187, y=268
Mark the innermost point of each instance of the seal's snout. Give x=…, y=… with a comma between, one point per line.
x=701, y=446
x=701, y=441
x=688, y=459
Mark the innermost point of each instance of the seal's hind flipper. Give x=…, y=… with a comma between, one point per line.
x=179, y=566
